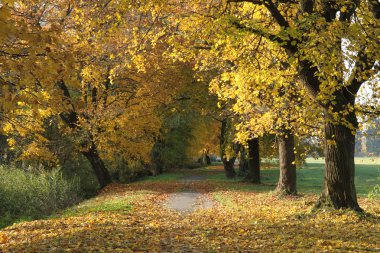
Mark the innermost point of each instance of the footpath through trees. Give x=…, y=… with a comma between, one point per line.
x=243, y=217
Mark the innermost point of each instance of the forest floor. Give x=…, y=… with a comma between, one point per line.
x=220, y=216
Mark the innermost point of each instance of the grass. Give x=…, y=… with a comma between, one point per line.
x=94, y=205
x=121, y=202
x=310, y=177
x=170, y=176
x=28, y=195
x=358, y=160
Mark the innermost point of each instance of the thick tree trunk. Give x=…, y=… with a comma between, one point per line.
x=98, y=166
x=339, y=187
x=287, y=182
x=229, y=167
x=253, y=161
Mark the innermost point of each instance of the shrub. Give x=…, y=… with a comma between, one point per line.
x=35, y=194
x=375, y=192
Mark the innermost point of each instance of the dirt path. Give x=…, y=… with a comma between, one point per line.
x=188, y=200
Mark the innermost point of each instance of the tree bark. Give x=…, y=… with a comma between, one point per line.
x=339, y=186
x=228, y=161
x=208, y=159
x=156, y=160
x=98, y=166
x=253, y=161
x=205, y=159
x=287, y=182
x=229, y=167
x=243, y=162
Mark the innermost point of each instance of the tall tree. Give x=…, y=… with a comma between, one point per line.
x=320, y=36
x=331, y=47
x=100, y=66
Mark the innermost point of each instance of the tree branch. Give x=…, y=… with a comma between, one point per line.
x=269, y=36
x=361, y=65
x=374, y=6
x=70, y=118
x=276, y=14
x=272, y=8
x=306, y=6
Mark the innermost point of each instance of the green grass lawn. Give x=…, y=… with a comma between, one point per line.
x=310, y=177
x=169, y=176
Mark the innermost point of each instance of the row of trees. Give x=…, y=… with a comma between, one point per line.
x=289, y=66
x=119, y=81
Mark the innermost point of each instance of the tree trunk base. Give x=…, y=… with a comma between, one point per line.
x=339, y=190
x=284, y=191
x=229, y=169
x=252, y=180
x=98, y=166
x=326, y=202
x=230, y=173
x=208, y=160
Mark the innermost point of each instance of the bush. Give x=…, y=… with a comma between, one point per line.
x=128, y=171
x=35, y=194
x=375, y=192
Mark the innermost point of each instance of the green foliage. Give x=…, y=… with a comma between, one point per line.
x=35, y=194
x=375, y=193
x=171, y=150
x=127, y=171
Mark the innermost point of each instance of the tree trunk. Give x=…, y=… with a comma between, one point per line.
x=208, y=159
x=253, y=161
x=287, y=182
x=339, y=187
x=71, y=119
x=205, y=159
x=243, y=163
x=97, y=165
x=229, y=167
x=156, y=160
x=228, y=161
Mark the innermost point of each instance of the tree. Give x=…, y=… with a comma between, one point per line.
x=310, y=34
x=100, y=67
x=330, y=47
